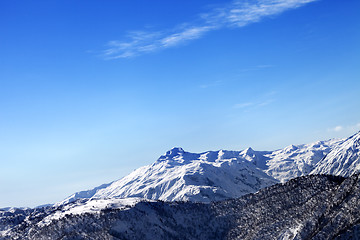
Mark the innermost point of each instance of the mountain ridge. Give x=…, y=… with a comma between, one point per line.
x=307, y=207
x=344, y=160
x=221, y=194
x=181, y=175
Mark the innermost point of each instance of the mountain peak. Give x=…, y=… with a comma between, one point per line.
x=291, y=148
x=249, y=150
x=248, y=154
x=174, y=151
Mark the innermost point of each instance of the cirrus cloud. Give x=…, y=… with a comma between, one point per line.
x=236, y=14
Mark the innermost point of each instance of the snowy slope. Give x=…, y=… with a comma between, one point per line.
x=343, y=160
x=180, y=175
x=213, y=175
x=93, y=206
x=82, y=195
x=297, y=160
x=292, y=161
x=310, y=207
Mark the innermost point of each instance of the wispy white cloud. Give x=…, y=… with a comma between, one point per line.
x=348, y=128
x=253, y=105
x=336, y=129
x=185, y=35
x=261, y=101
x=139, y=42
x=211, y=84
x=266, y=102
x=244, y=105
x=239, y=13
x=255, y=68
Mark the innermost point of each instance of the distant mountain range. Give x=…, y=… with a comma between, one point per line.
x=217, y=175
x=310, y=207
x=309, y=191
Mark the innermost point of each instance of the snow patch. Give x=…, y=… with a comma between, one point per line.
x=90, y=206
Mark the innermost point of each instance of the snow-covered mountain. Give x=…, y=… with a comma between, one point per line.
x=180, y=175
x=309, y=207
x=297, y=160
x=343, y=160
x=216, y=175
x=83, y=194
x=122, y=209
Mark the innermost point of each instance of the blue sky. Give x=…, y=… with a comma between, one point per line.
x=90, y=90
